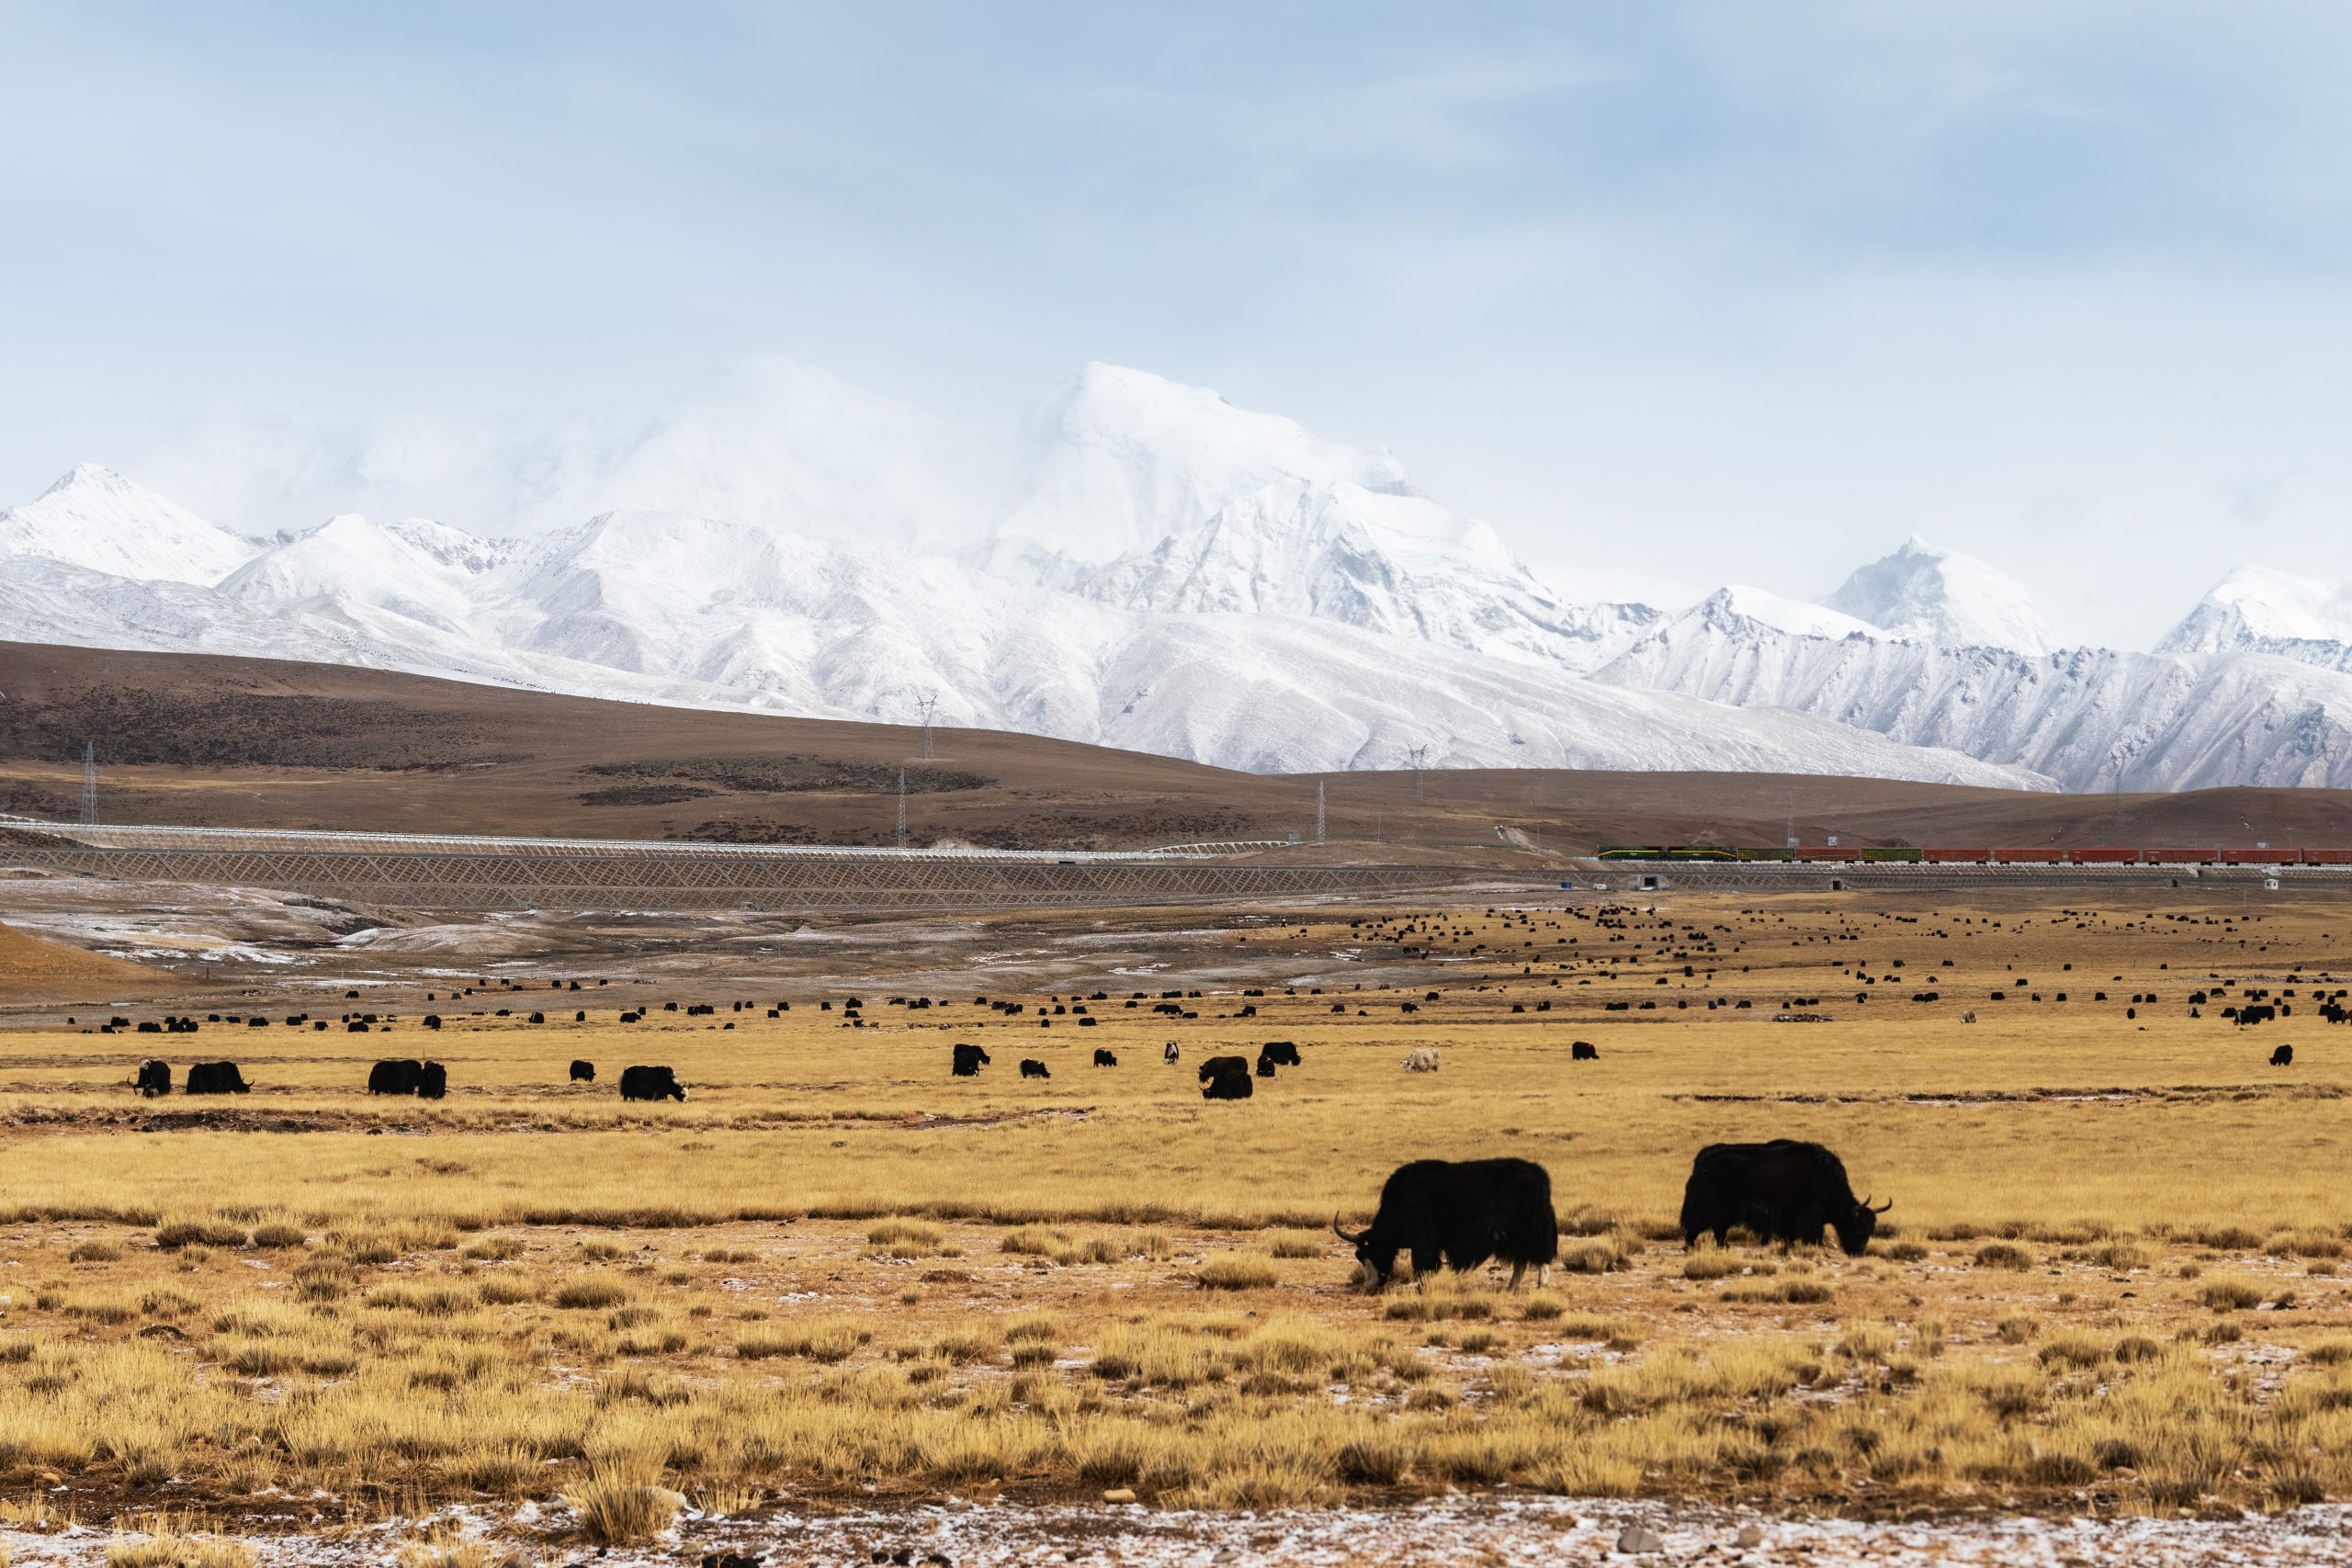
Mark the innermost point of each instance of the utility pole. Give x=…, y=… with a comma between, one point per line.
x=1420, y=755
x=1318, y=811
x=89, y=785
x=928, y=704
x=902, y=804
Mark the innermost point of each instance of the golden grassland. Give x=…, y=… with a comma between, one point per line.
x=2108, y=1278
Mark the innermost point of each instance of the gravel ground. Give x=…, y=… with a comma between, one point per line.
x=1478, y=1531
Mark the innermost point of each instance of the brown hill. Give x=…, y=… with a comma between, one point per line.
x=218, y=742
x=35, y=970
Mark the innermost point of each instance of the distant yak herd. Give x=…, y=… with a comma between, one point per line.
x=426, y=1081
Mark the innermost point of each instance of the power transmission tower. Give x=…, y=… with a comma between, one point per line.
x=1420, y=755
x=89, y=784
x=1318, y=811
x=903, y=806
x=928, y=704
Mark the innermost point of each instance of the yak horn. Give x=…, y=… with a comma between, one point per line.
x=1878, y=1209
x=1350, y=1240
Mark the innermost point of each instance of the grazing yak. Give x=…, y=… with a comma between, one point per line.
x=968, y=1061
x=1231, y=1084
x=1582, y=1050
x=215, y=1078
x=2283, y=1057
x=1167, y=1053
x=1459, y=1213
x=432, y=1082
x=395, y=1077
x=1276, y=1053
x=1032, y=1068
x=584, y=1072
x=650, y=1083
x=1783, y=1192
x=1421, y=1060
x=1104, y=1059
x=154, y=1078
x=1216, y=1067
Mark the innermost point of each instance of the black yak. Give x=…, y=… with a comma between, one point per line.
x=1217, y=1065
x=1032, y=1068
x=154, y=1078
x=432, y=1082
x=1784, y=1191
x=1582, y=1050
x=650, y=1083
x=2283, y=1057
x=1459, y=1213
x=1231, y=1084
x=967, y=1062
x=1104, y=1059
x=395, y=1077
x=584, y=1072
x=215, y=1078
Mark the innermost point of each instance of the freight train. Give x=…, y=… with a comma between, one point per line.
x=2029, y=854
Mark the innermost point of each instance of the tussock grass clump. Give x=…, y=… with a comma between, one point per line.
x=590, y=1294
x=1606, y=1256
x=279, y=1236
x=1710, y=1262
x=165, y=1540
x=2305, y=1244
x=905, y=1238
x=2228, y=1293
x=2004, y=1255
x=619, y=1505
x=499, y=1289
x=431, y=1300
x=1034, y=1327
x=324, y=1279
x=826, y=1339
x=1236, y=1272
x=492, y=1249
x=96, y=1250
x=1297, y=1244
x=1062, y=1247
x=191, y=1231
x=2124, y=1255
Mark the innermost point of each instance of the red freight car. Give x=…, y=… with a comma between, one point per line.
x=2030, y=855
x=2080, y=856
x=2179, y=855
x=2261, y=857
x=1823, y=851
x=2327, y=857
x=1951, y=856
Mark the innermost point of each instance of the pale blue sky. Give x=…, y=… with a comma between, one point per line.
x=1730, y=290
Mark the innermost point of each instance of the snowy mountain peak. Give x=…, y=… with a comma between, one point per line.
x=2257, y=608
x=97, y=519
x=1737, y=603
x=1121, y=459
x=1931, y=594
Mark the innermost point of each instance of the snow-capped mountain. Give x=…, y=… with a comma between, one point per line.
x=1167, y=572
x=1119, y=459
x=100, y=520
x=2256, y=610
x=672, y=608
x=1938, y=595
x=2085, y=717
